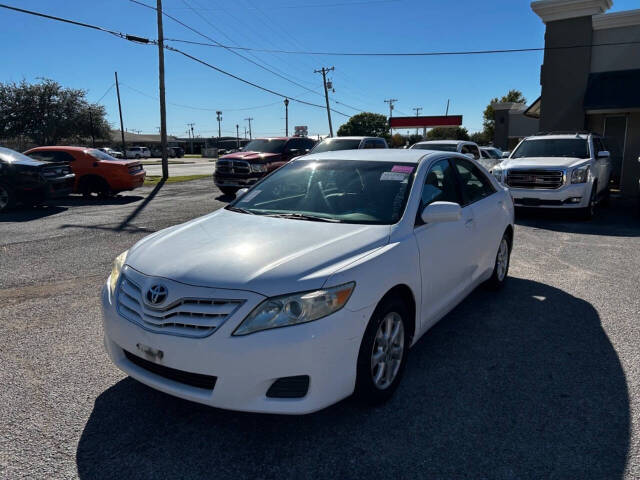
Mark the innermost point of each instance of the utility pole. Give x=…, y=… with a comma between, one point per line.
x=447, y=112
x=93, y=138
x=190, y=125
x=249, y=120
x=417, y=110
x=391, y=101
x=324, y=71
x=219, y=117
x=163, y=106
x=124, y=147
x=237, y=136
x=286, y=117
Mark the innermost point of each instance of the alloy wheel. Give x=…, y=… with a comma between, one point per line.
x=4, y=198
x=502, y=261
x=388, y=351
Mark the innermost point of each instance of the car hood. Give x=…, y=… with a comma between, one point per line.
x=267, y=255
x=128, y=163
x=542, y=162
x=250, y=156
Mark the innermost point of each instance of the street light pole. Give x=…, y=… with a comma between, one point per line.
x=286, y=117
x=163, y=107
x=238, y=136
x=219, y=116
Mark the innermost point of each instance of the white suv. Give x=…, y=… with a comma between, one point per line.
x=569, y=171
x=138, y=152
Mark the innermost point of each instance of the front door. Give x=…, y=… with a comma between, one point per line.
x=445, y=248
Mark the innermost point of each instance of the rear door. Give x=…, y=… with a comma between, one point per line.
x=479, y=194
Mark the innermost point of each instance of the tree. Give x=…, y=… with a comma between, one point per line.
x=47, y=113
x=489, y=122
x=480, y=138
x=448, y=133
x=365, y=124
x=398, y=140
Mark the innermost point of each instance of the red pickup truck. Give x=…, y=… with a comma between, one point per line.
x=258, y=158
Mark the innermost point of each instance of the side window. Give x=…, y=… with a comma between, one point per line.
x=308, y=144
x=598, y=146
x=440, y=185
x=475, y=186
x=368, y=144
x=293, y=144
x=379, y=144
x=63, y=157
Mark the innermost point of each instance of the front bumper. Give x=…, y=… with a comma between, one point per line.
x=326, y=350
x=562, y=197
x=236, y=180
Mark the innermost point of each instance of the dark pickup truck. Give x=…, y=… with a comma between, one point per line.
x=23, y=179
x=258, y=158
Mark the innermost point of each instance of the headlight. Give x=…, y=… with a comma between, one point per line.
x=296, y=308
x=258, y=167
x=118, y=263
x=580, y=175
x=498, y=173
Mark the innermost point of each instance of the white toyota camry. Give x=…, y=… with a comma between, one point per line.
x=310, y=286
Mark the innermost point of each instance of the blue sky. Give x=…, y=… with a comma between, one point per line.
x=82, y=58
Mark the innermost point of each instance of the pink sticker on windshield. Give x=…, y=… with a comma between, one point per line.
x=402, y=169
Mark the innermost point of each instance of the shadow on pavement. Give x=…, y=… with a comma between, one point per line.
x=28, y=213
x=139, y=208
x=79, y=200
x=519, y=384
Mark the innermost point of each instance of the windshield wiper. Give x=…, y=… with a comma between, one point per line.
x=240, y=210
x=302, y=216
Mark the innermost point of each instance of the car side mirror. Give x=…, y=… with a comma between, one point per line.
x=241, y=192
x=604, y=154
x=506, y=154
x=438, y=212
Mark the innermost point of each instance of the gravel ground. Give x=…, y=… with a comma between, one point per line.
x=541, y=380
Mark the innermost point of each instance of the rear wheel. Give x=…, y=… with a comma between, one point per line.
x=7, y=198
x=94, y=186
x=501, y=265
x=383, y=352
x=229, y=190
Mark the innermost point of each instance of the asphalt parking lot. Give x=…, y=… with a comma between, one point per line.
x=541, y=380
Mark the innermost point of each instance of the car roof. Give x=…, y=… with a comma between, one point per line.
x=380, y=155
x=60, y=148
x=583, y=136
x=352, y=138
x=447, y=142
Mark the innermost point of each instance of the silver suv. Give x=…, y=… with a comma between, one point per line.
x=568, y=171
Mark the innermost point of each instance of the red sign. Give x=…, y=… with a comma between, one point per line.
x=426, y=122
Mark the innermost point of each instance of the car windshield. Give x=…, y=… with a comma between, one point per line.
x=8, y=155
x=345, y=191
x=553, y=147
x=440, y=147
x=265, y=146
x=492, y=153
x=337, y=144
x=99, y=154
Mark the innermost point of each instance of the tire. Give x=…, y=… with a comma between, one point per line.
x=606, y=197
x=229, y=190
x=501, y=265
x=587, y=213
x=137, y=156
x=7, y=198
x=97, y=185
x=376, y=381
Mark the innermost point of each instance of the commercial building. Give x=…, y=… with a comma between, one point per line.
x=590, y=78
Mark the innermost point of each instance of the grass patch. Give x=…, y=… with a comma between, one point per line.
x=171, y=162
x=155, y=179
x=192, y=155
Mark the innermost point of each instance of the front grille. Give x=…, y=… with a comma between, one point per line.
x=289, y=387
x=188, y=317
x=535, y=179
x=197, y=380
x=233, y=167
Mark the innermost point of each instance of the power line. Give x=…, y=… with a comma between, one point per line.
x=410, y=54
x=317, y=5
x=218, y=44
x=105, y=93
x=126, y=36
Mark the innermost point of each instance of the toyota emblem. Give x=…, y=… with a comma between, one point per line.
x=157, y=294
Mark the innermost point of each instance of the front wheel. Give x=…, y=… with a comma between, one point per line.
x=501, y=265
x=588, y=212
x=383, y=352
x=7, y=198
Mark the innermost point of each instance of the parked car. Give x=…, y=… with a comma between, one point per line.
x=470, y=149
x=96, y=172
x=491, y=152
x=349, y=143
x=138, y=152
x=29, y=181
x=111, y=152
x=310, y=286
x=258, y=158
x=172, y=152
x=568, y=171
